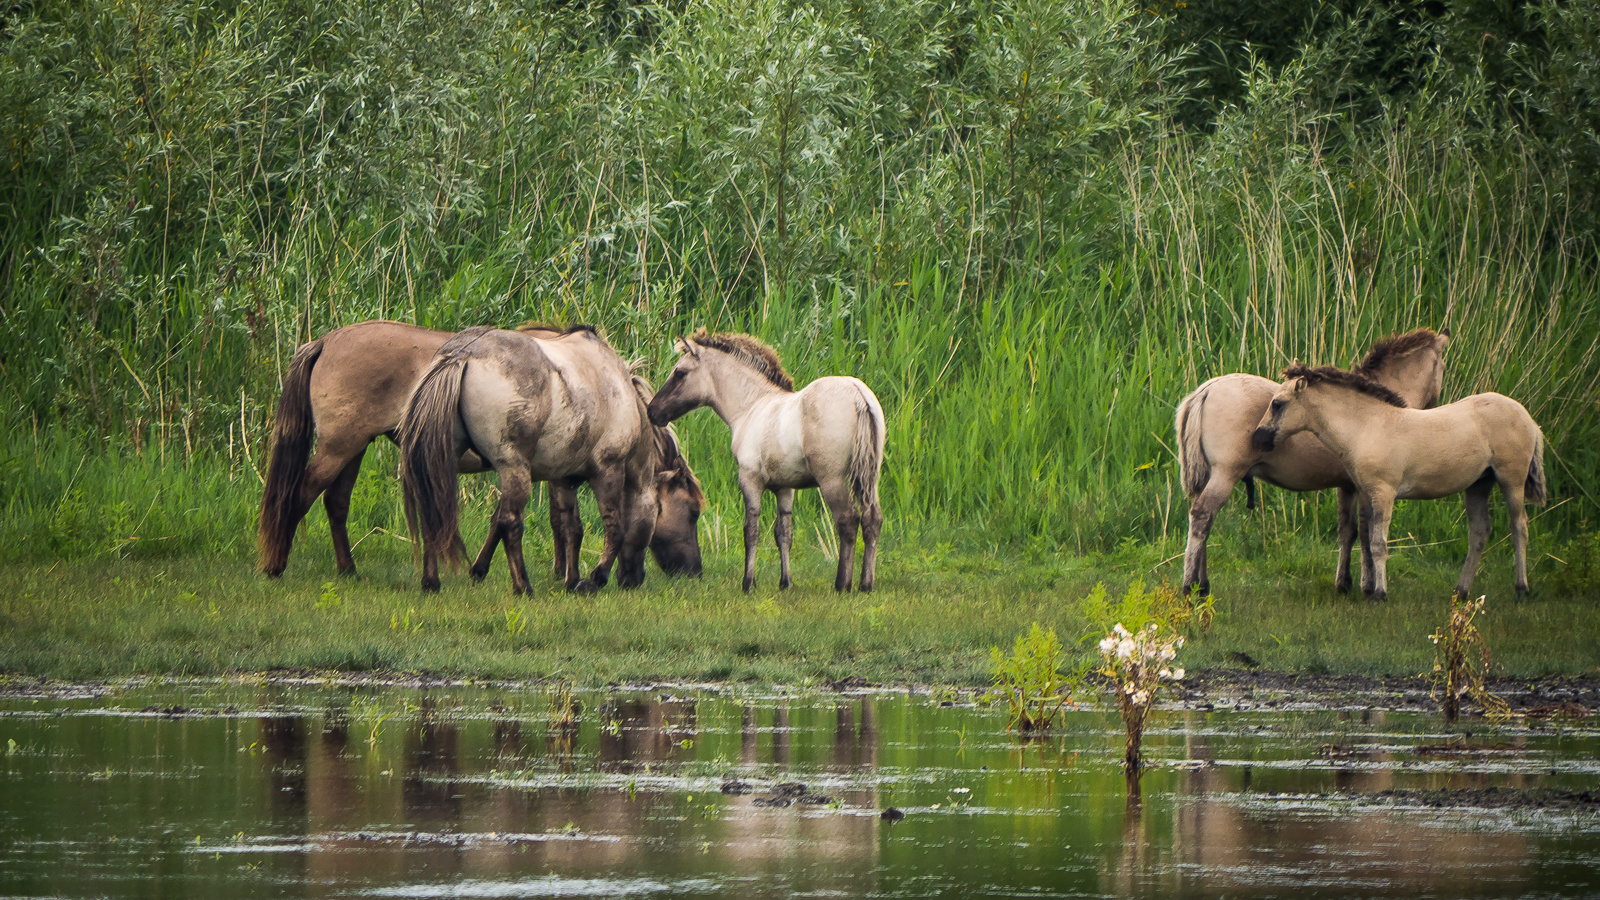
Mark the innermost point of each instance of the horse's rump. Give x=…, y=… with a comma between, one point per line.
x=427, y=442
x=291, y=446
x=866, y=449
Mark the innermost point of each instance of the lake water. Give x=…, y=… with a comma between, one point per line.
x=246, y=789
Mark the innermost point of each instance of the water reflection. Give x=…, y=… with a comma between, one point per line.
x=445, y=793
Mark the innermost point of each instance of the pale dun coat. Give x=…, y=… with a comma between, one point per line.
x=1214, y=424
x=827, y=436
x=1395, y=453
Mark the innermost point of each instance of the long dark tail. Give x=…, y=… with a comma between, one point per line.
x=865, y=457
x=1194, y=470
x=291, y=447
x=428, y=453
x=1533, y=489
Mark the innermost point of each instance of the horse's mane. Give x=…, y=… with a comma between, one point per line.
x=1391, y=348
x=669, y=455
x=531, y=326
x=749, y=351
x=1353, y=380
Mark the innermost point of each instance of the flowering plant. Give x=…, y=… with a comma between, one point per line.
x=1138, y=665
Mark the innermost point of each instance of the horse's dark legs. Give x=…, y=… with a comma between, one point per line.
x=637, y=527
x=783, y=533
x=609, y=495
x=1479, y=526
x=751, y=489
x=322, y=470
x=1364, y=521
x=480, y=566
x=515, y=487
x=846, y=519
x=1347, y=539
x=566, y=528
x=336, y=500
x=1514, y=492
x=871, y=524
x=1380, y=502
x=1202, y=514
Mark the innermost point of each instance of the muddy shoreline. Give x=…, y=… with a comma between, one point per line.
x=1558, y=697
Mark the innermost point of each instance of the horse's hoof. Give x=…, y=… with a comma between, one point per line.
x=866, y=589
x=585, y=586
x=784, y=584
x=1523, y=592
x=430, y=587
x=1378, y=596
x=477, y=575
x=748, y=584
x=1342, y=587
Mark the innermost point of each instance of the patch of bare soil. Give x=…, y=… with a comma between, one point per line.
x=1487, y=798
x=1563, y=697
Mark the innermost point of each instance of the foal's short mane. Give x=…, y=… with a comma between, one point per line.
x=1394, y=347
x=1338, y=376
x=749, y=351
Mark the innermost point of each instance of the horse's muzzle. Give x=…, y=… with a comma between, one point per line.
x=1264, y=439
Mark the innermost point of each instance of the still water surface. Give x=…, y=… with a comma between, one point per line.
x=238, y=789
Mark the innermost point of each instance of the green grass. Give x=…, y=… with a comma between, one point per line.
x=937, y=612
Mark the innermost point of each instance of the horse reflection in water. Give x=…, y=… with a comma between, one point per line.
x=1227, y=837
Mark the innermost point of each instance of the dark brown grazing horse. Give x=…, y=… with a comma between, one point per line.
x=350, y=387
x=563, y=410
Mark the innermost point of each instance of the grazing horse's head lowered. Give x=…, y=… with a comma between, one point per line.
x=679, y=500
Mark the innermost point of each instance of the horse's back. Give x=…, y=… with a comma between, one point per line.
x=366, y=374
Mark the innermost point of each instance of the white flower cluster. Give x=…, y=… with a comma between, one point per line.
x=1136, y=661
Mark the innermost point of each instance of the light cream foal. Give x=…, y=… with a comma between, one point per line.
x=828, y=436
x=1395, y=453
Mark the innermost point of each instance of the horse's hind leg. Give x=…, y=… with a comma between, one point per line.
x=783, y=533
x=566, y=529
x=1202, y=514
x=336, y=500
x=1518, y=514
x=846, y=520
x=871, y=525
x=515, y=488
x=1479, y=525
x=1347, y=540
x=609, y=495
x=751, y=488
x=1381, y=506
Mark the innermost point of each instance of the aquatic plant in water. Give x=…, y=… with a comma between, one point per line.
x=1030, y=680
x=1138, y=664
x=1458, y=671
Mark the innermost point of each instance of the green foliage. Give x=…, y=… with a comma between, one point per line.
x=329, y=598
x=1461, y=661
x=1031, y=680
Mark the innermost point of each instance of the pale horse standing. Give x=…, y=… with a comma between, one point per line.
x=1214, y=450
x=827, y=436
x=1396, y=453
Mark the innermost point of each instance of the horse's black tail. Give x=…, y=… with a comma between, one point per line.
x=291, y=446
x=1533, y=489
x=428, y=453
x=866, y=456
x=1194, y=470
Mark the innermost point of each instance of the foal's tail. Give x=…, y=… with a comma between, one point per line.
x=1194, y=470
x=428, y=453
x=1533, y=488
x=866, y=454
x=291, y=446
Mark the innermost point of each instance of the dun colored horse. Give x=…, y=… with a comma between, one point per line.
x=1392, y=452
x=1215, y=423
x=350, y=387
x=533, y=410
x=827, y=436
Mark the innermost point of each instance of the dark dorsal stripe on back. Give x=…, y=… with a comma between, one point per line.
x=749, y=351
x=527, y=327
x=1391, y=348
x=1338, y=376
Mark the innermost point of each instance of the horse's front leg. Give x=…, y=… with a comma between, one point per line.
x=751, y=487
x=609, y=497
x=1517, y=512
x=1347, y=540
x=337, y=502
x=566, y=529
x=1380, y=501
x=783, y=533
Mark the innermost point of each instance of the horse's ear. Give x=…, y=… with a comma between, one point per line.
x=686, y=346
x=1444, y=333
x=1299, y=385
x=665, y=478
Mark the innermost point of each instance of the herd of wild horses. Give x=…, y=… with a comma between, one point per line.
x=558, y=405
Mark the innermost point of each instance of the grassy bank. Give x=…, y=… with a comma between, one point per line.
x=934, y=618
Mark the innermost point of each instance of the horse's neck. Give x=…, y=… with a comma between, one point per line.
x=1341, y=416
x=1410, y=376
x=739, y=389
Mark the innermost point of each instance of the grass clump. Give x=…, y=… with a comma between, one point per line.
x=1462, y=660
x=1031, y=681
